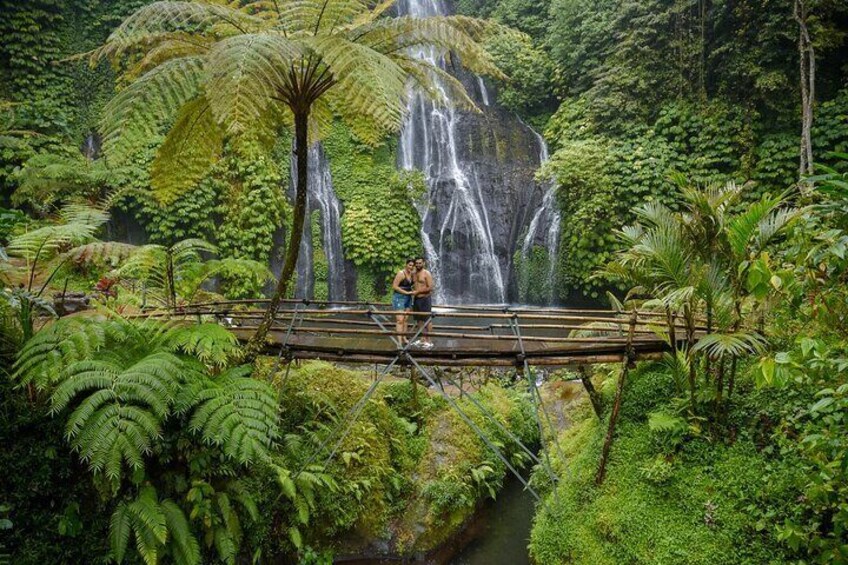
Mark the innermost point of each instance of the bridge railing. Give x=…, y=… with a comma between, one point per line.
x=485, y=335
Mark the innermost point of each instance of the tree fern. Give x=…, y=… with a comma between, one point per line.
x=265, y=65
x=178, y=271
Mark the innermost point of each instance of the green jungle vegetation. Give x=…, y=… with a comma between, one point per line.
x=700, y=154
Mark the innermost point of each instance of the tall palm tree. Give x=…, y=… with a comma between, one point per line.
x=218, y=70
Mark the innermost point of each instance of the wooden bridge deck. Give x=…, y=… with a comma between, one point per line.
x=356, y=332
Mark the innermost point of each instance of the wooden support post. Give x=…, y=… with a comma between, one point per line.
x=616, y=407
x=594, y=396
x=671, y=321
x=413, y=381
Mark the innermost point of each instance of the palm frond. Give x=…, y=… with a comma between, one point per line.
x=733, y=344
x=742, y=228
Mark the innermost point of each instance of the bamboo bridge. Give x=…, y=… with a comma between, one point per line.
x=470, y=336
x=462, y=336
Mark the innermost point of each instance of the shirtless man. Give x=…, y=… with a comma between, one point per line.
x=423, y=303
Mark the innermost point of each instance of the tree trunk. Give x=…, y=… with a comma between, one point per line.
x=172, y=290
x=719, y=387
x=732, y=379
x=301, y=150
x=807, y=62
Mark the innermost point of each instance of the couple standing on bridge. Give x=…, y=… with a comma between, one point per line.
x=413, y=291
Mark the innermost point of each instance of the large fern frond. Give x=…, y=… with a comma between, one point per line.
x=212, y=344
x=43, y=358
x=157, y=18
x=186, y=549
x=118, y=422
x=78, y=224
x=138, y=112
x=149, y=524
x=100, y=252
x=237, y=413
x=192, y=146
x=246, y=74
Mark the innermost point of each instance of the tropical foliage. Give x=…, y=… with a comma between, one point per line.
x=138, y=398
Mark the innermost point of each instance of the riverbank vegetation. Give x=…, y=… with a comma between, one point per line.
x=731, y=450
x=164, y=452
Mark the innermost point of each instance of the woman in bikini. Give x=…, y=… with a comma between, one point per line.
x=402, y=297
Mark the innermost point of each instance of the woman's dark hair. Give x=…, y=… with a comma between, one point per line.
x=408, y=261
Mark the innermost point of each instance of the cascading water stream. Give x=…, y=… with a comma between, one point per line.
x=320, y=197
x=545, y=225
x=429, y=143
x=484, y=93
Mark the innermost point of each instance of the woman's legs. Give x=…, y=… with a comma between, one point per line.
x=400, y=327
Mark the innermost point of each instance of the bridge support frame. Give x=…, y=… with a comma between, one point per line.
x=629, y=360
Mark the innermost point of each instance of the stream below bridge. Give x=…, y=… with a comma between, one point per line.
x=498, y=534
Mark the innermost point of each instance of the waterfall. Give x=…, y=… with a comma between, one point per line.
x=321, y=197
x=458, y=243
x=484, y=94
x=545, y=225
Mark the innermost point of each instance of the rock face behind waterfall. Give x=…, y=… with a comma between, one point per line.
x=481, y=192
x=502, y=155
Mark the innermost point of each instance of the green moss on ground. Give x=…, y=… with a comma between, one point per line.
x=696, y=503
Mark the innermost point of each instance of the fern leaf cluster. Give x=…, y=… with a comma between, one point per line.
x=123, y=380
x=180, y=270
x=237, y=414
x=125, y=388
x=153, y=523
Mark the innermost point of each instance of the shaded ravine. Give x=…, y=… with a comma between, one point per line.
x=501, y=532
x=497, y=533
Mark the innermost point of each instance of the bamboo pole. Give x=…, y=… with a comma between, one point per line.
x=455, y=335
x=629, y=357
x=464, y=315
x=572, y=360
